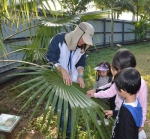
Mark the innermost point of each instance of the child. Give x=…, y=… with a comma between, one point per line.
x=103, y=75
x=103, y=79
x=129, y=117
x=123, y=59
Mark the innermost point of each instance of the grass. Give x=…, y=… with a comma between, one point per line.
x=141, y=52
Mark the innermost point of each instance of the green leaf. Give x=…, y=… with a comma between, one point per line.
x=62, y=98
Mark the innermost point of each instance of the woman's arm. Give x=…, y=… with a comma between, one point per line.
x=80, y=77
x=53, y=56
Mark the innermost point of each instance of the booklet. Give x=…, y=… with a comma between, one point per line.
x=8, y=122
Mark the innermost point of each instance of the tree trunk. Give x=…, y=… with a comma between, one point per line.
x=137, y=13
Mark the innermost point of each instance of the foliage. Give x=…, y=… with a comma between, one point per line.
x=118, y=5
x=49, y=86
x=81, y=132
x=37, y=46
x=141, y=27
x=75, y=7
x=139, y=6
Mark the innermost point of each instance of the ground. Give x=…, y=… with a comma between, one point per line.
x=10, y=106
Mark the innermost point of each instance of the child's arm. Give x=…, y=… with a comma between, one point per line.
x=111, y=113
x=108, y=113
x=105, y=86
x=103, y=94
x=90, y=93
x=142, y=96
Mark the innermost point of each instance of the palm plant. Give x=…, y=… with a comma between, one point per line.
x=48, y=84
x=139, y=6
x=48, y=81
x=141, y=27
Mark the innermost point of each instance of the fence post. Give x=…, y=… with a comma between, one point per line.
x=104, y=31
x=123, y=32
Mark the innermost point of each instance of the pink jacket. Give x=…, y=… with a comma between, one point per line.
x=141, y=95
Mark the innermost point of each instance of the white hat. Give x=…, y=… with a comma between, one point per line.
x=88, y=32
x=102, y=68
x=84, y=30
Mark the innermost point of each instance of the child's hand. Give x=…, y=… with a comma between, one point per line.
x=90, y=93
x=140, y=129
x=109, y=113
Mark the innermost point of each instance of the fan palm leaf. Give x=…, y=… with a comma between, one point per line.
x=48, y=84
x=3, y=50
x=125, y=6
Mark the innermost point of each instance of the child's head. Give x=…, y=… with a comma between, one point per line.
x=123, y=59
x=103, y=70
x=128, y=80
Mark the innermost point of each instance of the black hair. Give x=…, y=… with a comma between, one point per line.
x=123, y=59
x=128, y=79
x=109, y=74
x=83, y=47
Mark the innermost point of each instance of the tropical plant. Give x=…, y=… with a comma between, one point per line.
x=48, y=84
x=48, y=81
x=75, y=7
x=139, y=6
x=141, y=27
x=117, y=5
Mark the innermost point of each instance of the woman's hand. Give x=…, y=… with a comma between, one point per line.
x=90, y=93
x=81, y=82
x=66, y=77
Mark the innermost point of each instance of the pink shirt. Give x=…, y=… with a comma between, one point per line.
x=141, y=95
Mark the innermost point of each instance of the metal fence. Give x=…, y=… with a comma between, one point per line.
x=123, y=33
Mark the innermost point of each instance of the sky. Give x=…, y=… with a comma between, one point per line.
x=126, y=16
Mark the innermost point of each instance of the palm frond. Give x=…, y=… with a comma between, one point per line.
x=50, y=87
x=125, y=6
x=3, y=50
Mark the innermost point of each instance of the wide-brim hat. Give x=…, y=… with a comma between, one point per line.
x=88, y=32
x=84, y=30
